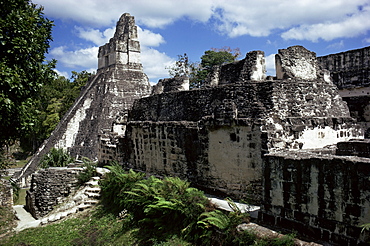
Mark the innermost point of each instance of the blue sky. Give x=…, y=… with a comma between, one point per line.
x=168, y=28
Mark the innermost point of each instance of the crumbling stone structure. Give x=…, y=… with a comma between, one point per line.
x=318, y=195
x=251, y=68
x=241, y=135
x=6, y=193
x=49, y=187
x=296, y=62
x=106, y=99
x=349, y=70
x=180, y=83
x=216, y=137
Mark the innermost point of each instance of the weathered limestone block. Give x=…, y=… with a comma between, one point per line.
x=6, y=193
x=157, y=88
x=354, y=147
x=251, y=68
x=49, y=187
x=257, y=65
x=296, y=62
x=320, y=196
x=124, y=47
x=348, y=69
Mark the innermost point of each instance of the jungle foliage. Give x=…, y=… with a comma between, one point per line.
x=197, y=72
x=166, y=209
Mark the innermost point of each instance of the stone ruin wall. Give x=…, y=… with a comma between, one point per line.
x=50, y=187
x=348, y=70
x=6, y=193
x=320, y=196
x=216, y=136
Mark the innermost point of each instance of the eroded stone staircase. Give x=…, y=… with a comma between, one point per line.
x=84, y=198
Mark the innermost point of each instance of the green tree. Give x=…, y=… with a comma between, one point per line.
x=211, y=58
x=54, y=100
x=198, y=72
x=24, y=39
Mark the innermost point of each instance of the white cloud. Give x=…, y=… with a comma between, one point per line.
x=339, y=45
x=350, y=26
x=149, y=38
x=62, y=73
x=302, y=20
x=95, y=35
x=81, y=58
x=157, y=13
x=270, y=65
x=155, y=63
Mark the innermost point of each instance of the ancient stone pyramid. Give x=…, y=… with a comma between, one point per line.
x=107, y=96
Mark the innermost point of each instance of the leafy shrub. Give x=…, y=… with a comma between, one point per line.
x=56, y=158
x=115, y=184
x=169, y=205
x=88, y=172
x=169, y=211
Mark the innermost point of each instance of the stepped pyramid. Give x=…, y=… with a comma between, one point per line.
x=107, y=96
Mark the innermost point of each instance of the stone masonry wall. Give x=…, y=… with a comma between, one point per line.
x=219, y=159
x=348, y=69
x=215, y=137
x=6, y=193
x=49, y=187
x=321, y=196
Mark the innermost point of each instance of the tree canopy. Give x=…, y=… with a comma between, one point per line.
x=54, y=100
x=198, y=71
x=25, y=35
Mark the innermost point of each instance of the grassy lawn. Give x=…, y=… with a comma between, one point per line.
x=21, y=198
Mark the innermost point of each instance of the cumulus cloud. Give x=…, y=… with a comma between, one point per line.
x=301, y=20
x=149, y=38
x=155, y=63
x=149, y=13
x=353, y=24
x=95, y=35
x=62, y=73
x=81, y=58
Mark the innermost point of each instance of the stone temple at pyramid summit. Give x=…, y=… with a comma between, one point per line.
x=295, y=144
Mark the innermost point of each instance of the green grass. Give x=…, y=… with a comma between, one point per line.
x=21, y=197
x=19, y=163
x=89, y=228
x=7, y=220
x=97, y=227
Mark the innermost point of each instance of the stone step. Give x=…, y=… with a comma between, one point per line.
x=91, y=202
x=93, y=189
x=92, y=183
x=82, y=207
x=92, y=195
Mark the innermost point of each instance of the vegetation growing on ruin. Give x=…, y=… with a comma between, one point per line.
x=197, y=72
x=56, y=158
x=147, y=211
x=88, y=172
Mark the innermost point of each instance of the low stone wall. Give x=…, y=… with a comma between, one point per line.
x=6, y=193
x=321, y=196
x=49, y=187
x=348, y=69
x=221, y=159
